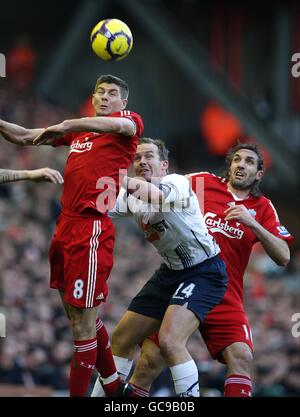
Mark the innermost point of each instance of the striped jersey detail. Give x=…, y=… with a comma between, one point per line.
x=93, y=264
x=275, y=212
x=198, y=241
x=125, y=113
x=184, y=256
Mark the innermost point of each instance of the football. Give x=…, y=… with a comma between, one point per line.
x=111, y=40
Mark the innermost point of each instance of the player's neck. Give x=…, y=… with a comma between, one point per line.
x=242, y=194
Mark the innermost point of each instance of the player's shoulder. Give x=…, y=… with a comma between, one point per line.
x=203, y=174
x=135, y=118
x=210, y=180
x=126, y=113
x=262, y=201
x=176, y=179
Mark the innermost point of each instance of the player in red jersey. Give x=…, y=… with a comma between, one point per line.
x=36, y=175
x=237, y=215
x=81, y=252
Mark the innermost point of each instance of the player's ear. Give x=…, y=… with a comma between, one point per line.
x=259, y=174
x=124, y=103
x=165, y=165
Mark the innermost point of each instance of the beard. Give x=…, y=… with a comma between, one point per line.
x=243, y=185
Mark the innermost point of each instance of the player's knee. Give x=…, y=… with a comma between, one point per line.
x=168, y=345
x=149, y=363
x=82, y=329
x=119, y=338
x=144, y=368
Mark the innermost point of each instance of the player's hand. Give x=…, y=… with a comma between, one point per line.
x=240, y=214
x=50, y=133
x=45, y=174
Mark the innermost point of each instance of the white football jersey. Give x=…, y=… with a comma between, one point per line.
x=176, y=228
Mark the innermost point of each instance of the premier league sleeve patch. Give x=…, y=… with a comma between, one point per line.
x=282, y=231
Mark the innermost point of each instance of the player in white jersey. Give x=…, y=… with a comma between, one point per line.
x=176, y=227
x=191, y=281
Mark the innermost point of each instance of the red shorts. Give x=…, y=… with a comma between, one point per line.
x=81, y=258
x=220, y=329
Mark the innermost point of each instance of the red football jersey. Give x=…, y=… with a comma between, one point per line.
x=234, y=239
x=94, y=162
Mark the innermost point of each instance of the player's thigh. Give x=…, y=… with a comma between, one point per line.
x=178, y=324
x=133, y=328
x=83, y=320
x=65, y=304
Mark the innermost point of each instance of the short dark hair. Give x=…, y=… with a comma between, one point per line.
x=162, y=149
x=255, y=191
x=111, y=79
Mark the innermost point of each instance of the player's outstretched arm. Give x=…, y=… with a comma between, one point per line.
x=143, y=190
x=17, y=134
x=38, y=175
x=99, y=124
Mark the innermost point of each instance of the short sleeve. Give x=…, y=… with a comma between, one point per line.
x=135, y=118
x=271, y=222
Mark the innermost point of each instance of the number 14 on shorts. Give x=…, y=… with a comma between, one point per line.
x=184, y=291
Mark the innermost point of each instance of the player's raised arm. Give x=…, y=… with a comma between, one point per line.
x=17, y=134
x=97, y=124
x=143, y=190
x=37, y=175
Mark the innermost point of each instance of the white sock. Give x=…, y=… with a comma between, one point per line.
x=123, y=366
x=185, y=377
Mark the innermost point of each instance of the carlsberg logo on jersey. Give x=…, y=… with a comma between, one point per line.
x=78, y=147
x=219, y=226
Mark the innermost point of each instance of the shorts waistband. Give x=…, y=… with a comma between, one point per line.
x=79, y=215
x=196, y=266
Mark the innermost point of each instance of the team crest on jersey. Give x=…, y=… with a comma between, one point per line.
x=252, y=212
x=282, y=231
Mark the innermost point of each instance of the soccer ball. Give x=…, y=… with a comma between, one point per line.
x=111, y=40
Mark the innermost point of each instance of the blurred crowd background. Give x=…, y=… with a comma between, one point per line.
x=198, y=128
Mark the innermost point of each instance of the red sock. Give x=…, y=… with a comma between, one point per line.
x=82, y=365
x=105, y=363
x=237, y=386
x=138, y=392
